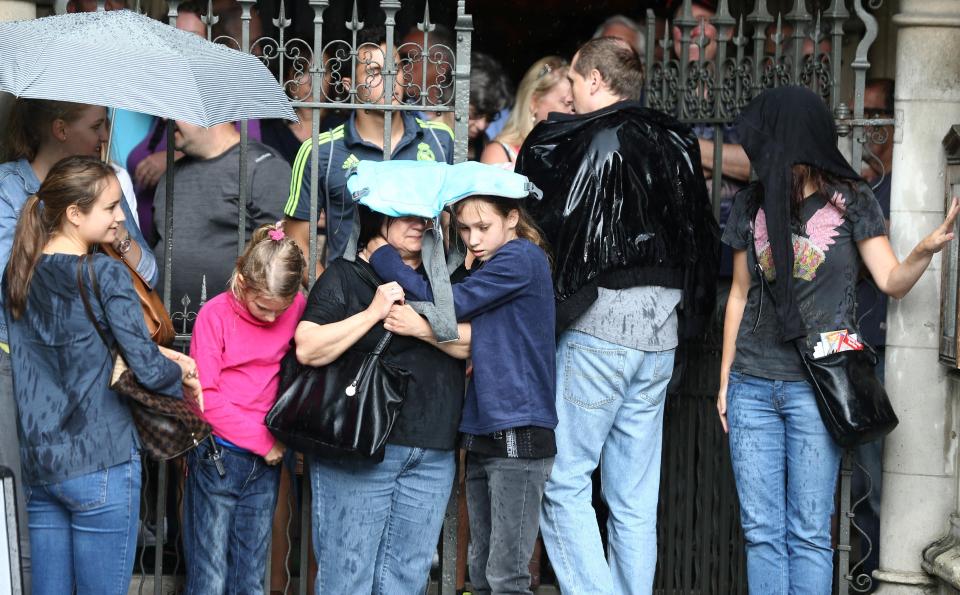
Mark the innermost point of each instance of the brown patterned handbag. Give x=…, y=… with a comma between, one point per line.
x=167, y=426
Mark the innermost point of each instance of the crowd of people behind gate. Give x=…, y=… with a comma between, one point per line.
x=573, y=296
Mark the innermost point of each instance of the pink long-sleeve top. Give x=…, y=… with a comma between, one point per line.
x=238, y=358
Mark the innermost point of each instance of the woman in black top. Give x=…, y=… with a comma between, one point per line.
x=376, y=525
x=806, y=226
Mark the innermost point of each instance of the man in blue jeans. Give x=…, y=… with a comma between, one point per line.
x=626, y=210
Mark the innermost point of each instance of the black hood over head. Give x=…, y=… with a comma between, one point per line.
x=778, y=129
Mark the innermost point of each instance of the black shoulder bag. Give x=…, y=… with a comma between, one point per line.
x=853, y=404
x=345, y=409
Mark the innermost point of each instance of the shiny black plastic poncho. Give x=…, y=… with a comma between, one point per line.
x=624, y=204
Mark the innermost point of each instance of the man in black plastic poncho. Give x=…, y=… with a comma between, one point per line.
x=635, y=249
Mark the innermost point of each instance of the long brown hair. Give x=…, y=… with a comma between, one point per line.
x=271, y=265
x=72, y=181
x=526, y=228
x=30, y=121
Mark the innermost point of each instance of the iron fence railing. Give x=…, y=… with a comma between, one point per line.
x=700, y=543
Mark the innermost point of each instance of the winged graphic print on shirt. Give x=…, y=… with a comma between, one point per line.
x=808, y=252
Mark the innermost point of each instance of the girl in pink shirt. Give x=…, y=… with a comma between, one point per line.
x=239, y=338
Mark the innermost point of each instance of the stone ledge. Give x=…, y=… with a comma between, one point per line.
x=942, y=557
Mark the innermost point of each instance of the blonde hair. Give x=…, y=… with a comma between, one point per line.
x=538, y=80
x=271, y=265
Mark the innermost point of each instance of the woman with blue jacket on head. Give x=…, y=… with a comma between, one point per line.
x=509, y=413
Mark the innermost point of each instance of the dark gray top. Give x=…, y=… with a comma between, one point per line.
x=826, y=268
x=206, y=198
x=71, y=423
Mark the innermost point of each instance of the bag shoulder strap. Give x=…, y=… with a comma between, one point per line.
x=86, y=258
x=363, y=269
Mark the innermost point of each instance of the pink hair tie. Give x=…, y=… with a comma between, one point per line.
x=276, y=235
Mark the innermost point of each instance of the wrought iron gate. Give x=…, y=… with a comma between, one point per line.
x=701, y=549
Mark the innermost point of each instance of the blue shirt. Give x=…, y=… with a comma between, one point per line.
x=17, y=183
x=509, y=302
x=340, y=149
x=71, y=423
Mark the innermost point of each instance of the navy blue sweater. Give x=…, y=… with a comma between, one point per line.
x=510, y=305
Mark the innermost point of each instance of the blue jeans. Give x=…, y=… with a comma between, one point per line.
x=83, y=531
x=785, y=464
x=227, y=520
x=610, y=403
x=376, y=526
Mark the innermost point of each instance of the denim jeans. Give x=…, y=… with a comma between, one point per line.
x=83, y=531
x=227, y=521
x=10, y=457
x=610, y=403
x=376, y=525
x=503, y=502
x=785, y=465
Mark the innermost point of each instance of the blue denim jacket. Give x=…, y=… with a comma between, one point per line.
x=17, y=184
x=70, y=421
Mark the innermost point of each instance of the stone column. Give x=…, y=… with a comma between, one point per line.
x=919, y=470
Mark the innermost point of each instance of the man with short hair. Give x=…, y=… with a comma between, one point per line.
x=206, y=199
x=626, y=210
x=360, y=138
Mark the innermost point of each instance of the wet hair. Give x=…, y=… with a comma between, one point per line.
x=376, y=35
x=526, y=228
x=616, y=62
x=536, y=82
x=822, y=182
x=490, y=88
x=371, y=224
x=270, y=267
x=191, y=7
x=30, y=121
x=72, y=181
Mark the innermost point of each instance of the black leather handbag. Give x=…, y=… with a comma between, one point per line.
x=345, y=409
x=852, y=401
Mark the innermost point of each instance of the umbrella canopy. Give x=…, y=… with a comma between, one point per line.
x=125, y=60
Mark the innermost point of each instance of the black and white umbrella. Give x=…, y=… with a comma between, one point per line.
x=125, y=60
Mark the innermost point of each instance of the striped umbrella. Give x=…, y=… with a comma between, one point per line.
x=125, y=60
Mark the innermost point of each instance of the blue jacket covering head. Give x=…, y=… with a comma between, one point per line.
x=425, y=188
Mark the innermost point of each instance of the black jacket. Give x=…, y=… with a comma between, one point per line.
x=624, y=205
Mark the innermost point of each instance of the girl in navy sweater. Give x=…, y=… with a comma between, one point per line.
x=510, y=411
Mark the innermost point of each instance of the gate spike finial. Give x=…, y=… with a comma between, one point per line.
x=799, y=12
x=760, y=13
x=722, y=16
x=355, y=23
x=282, y=22
x=210, y=19
x=740, y=40
x=426, y=26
